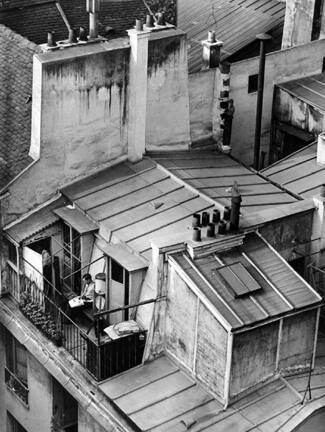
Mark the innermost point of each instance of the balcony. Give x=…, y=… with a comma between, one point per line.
x=101, y=355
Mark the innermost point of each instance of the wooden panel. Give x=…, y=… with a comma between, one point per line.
x=180, y=331
x=174, y=406
x=122, y=204
x=120, y=189
x=211, y=351
x=76, y=219
x=245, y=190
x=154, y=392
x=195, y=163
x=242, y=180
x=142, y=376
x=296, y=172
x=147, y=210
x=312, y=181
x=218, y=172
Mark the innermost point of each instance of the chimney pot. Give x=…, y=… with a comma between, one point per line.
x=51, y=39
x=226, y=213
x=211, y=230
x=212, y=36
x=196, y=221
x=216, y=216
x=150, y=21
x=196, y=234
x=222, y=227
x=138, y=25
x=321, y=149
x=205, y=218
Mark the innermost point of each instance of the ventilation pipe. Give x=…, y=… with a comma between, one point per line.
x=235, y=207
x=321, y=149
x=93, y=7
x=51, y=39
x=263, y=38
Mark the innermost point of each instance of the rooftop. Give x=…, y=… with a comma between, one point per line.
x=213, y=174
x=236, y=22
x=310, y=89
x=299, y=172
x=248, y=284
x=33, y=19
x=160, y=398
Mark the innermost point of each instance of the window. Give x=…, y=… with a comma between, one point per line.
x=71, y=258
x=65, y=410
x=252, y=83
x=12, y=252
x=13, y=425
x=16, y=367
x=323, y=66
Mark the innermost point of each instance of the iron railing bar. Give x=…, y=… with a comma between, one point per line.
x=82, y=268
x=109, y=311
x=65, y=248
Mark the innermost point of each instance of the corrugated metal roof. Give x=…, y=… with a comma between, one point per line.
x=299, y=172
x=214, y=173
x=283, y=291
x=310, y=89
x=136, y=203
x=236, y=23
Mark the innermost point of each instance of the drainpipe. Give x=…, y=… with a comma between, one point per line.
x=262, y=37
x=93, y=7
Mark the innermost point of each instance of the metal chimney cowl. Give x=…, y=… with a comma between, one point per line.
x=321, y=149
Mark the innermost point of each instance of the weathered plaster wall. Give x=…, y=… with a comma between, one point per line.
x=297, y=341
x=180, y=330
x=201, y=91
x=87, y=423
x=254, y=357
x=280, y=66
x=298, y=22
x=79, y=125
x=211, y=351
x=194, y=336
x=167, y=121
x=290, y=236
x=38, y=416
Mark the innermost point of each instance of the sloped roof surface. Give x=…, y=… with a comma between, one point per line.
x=299, y=172
x=236, y=22
x=282, y=290
x=213, y=174
x=136, y=203
x=33, y=19
x=310, y=89
x=158, y=395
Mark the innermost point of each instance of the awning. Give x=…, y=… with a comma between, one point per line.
x=78, y=220
x=34, y=222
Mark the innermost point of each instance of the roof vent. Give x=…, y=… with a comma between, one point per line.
x=321, y=149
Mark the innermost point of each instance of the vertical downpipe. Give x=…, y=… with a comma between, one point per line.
x=263, y=37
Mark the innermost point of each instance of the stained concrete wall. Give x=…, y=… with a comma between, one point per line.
x=298, y=22
x=297, y=341
x=211, y=351
x=201, y=91
x=87, y=423
x=167, y=122
x=37, y=417
x=194, y=336
x=254, y=357
x=290, y=236
x=280, y=66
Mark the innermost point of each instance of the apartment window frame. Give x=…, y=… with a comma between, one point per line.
x=71, y=257
x=252, y=86
x=13, y=425
x=16, y=368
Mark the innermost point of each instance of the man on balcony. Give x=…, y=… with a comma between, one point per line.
x=86, y=298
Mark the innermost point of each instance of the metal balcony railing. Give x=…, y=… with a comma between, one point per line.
x=16, y=385
x=101, y=356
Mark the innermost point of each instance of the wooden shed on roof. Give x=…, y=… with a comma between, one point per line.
x=239, y=316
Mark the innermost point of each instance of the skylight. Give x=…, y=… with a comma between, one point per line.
x=238, y=279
